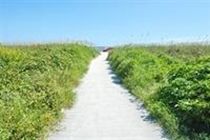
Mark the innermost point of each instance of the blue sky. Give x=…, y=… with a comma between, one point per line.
x=104, y=22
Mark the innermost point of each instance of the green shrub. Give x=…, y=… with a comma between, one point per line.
x=187, y=94
x=174, y=89
x=36, y=82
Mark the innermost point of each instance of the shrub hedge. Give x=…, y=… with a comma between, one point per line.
x=36, y=82
x=175, y=91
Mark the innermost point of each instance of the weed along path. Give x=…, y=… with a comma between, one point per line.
x=104, y=110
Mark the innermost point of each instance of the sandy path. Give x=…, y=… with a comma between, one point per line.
x=104, y=110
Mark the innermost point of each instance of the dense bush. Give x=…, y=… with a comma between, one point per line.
x=175, y=90
x=139, y=68
x=187, y=95
x=35, y=84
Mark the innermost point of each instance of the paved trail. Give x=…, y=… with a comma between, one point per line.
x=104, y=110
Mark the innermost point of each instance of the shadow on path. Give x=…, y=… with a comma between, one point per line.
x=143, y=113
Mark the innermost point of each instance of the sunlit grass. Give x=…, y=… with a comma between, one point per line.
x=172, y=81
x=36, y=82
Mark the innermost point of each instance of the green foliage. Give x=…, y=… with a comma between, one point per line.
x=174, y=89
x=138, y=67
x=187, y=94
x=36, y=82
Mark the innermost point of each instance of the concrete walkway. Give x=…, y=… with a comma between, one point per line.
x=104, y=110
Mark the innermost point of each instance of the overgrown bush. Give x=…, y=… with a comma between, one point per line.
x=175, y=90
x=187, y=95
x=36, y=82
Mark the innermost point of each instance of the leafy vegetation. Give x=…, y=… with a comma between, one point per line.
x=36, y=82
x=173, y=82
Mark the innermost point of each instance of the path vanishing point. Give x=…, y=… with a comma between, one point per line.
x=104, y=110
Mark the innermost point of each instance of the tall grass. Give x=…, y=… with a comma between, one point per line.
x=36, y=82
x=173, y=83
